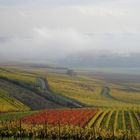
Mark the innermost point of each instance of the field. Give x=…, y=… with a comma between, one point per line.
x=49, y=102
x=9, y=103
x=94, y=91
x=75, y=123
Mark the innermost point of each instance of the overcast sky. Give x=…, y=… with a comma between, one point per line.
x=50, y=29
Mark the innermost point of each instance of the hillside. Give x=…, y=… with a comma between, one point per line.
x=27, y=97
x=28, y=90
x=9, y=103
x=94, y=91
x=39, y=88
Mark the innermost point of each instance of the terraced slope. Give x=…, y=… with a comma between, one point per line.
x=31, y=90
x=31, y=99
x=9, y=103
x=59, y=99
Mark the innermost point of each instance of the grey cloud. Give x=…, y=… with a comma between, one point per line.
x=66, y=2
x=48, y=2
x=3, y=39
x=52, y=29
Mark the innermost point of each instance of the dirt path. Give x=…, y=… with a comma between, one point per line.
x=42, y=83
x=105, y=93
x=62, y=100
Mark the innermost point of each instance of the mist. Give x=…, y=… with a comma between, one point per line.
x=49, y=31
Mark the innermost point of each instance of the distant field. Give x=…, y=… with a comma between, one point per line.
x=129, y=71
x=85, y=88
x=22, y=77
x=88, y=90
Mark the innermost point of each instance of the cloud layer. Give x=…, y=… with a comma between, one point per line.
x=52, y=29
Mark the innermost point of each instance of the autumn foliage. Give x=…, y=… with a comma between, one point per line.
x=75, y=117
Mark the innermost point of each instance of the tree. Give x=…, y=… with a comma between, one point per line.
x=70, y=72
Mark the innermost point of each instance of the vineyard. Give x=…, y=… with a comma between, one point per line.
x=18, y=75
x=9, y=103
x=37, y=104
x=75, y=123
x=65, y=117
x=89, y=90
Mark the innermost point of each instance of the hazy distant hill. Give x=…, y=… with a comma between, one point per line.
x=103, y=59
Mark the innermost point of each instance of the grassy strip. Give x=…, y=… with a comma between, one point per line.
x=94, y=119
x=123, y=120
x=104, y=120
x=14, y=115
x=116, y=121
x=131, y=120
x=99, y=121
x=111, y=122
x=136, y=115
x=136, y=120
x=120, y=121
x=108, y=119
x=127, y=120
